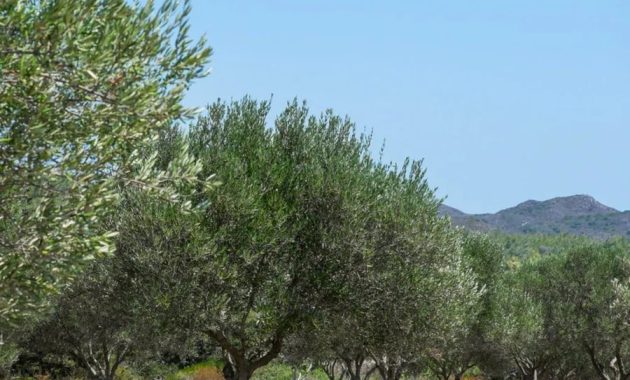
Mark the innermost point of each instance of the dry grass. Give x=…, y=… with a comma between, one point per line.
x=207, y=373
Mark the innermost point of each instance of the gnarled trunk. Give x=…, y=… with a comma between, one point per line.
x=101, y=365
x=332, y=368
x=614, y=369
x=354, y=366
x=240, y=366
x=389, y=368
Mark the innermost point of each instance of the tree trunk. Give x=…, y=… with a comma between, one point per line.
x=244, y=373
x=330, y=368
x=389, y=372
x=102, y=376
x=240, y=366
x=241, y=372
x=354, y=367
x=228, y=370
x=238, y=369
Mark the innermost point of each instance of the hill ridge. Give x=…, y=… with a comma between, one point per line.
x=578, y=214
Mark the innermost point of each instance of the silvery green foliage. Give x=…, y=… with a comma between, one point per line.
x=92, y=324
x=518, y=327
x=84, y=86
x=410, y=290
x=283, y=229
x=430, y=300
x=468, y=343
x=594, y=290
x=102, y=319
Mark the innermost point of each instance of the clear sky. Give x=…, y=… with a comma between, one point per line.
x=505, y=100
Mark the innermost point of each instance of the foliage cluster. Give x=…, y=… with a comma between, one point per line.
x=84, y=87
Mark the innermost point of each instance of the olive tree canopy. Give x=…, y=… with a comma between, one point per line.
x=84, y=85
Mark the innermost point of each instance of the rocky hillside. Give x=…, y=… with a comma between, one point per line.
x=577, y=214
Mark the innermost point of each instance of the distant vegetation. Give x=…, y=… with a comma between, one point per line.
x=140, y=242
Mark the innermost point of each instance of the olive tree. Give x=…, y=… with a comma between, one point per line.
x=518, y=328
x=535, y=320
x=102, y=319
x=410, y=289
x=84, y=85
x=91, y=325
x=595, y=290
x=471, y=344
x=280, y=235
x=422, y=299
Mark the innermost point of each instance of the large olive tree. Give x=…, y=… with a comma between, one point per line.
x=280, y=235
x=84, y=85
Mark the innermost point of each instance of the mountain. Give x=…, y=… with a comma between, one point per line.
x=576, y=214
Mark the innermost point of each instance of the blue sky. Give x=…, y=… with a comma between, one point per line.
x=505, y=100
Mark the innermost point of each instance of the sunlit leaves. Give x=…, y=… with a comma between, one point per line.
x=85, y=86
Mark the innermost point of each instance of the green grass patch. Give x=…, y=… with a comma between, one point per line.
x=272, y=371
x=279, y=371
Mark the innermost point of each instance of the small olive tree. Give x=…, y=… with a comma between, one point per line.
x=411, y=288
x=103, y=319
x=471, y=344
x=535, y=320
x=594, y=289
x=91, y=325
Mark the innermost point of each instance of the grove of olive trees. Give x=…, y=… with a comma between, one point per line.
x=137, y=239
